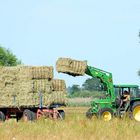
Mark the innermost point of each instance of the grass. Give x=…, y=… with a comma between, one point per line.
x=74, y=127
x=79, y=102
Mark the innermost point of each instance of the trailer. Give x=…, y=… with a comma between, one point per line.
x=31, y=92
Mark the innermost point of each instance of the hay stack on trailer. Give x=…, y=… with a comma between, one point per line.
x=23, y=86
x=58, y=85
x=71, y=66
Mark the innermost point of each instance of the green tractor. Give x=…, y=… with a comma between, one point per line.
x=111, y=103
x=113, y=100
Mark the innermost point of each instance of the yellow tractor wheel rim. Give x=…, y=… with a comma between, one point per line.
x=136, y=113
x=106, y=116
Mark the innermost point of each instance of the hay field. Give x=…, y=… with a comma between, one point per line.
x=74, y=127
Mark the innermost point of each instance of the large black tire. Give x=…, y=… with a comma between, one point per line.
x=105, y=114
x=135, y=111
x=18, y=116
x=27, y=115
x=61, y=114
x=89, y=114
x=2, y=116
x=34, y=117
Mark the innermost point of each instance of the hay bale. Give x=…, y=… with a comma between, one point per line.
x=33, y=99
x=56, y=97
x=41, y=72
x=9, y=74
x=71, y=66
x=58, y=85
x=21, y=86
x=42, y=85
x=36, y=72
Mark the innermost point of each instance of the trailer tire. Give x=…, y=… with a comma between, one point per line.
x=18, y=116
x=34, y=117
x=2, y=116
x=106, y=114
x=27, y=115
x=61, y=114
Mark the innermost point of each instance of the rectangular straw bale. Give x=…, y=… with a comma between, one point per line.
x=71, y=66
x=58, y=85
x=7, y=100
x=41, y=72
x=27, y=99
x=9, y=74
x=24, y=73
x=57, y=97
x=42, y=85
x=25, y=87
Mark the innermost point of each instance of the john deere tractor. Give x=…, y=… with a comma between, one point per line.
x=110, y=103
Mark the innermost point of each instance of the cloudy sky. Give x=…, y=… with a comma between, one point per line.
x=105, y=33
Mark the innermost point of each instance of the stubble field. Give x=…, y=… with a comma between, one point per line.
x=74, y=127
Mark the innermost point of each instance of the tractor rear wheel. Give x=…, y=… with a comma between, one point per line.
x=106, y=114
x=136, y=111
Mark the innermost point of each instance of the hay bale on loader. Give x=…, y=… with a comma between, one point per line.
x=71, y=66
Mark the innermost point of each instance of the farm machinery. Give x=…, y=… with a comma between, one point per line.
x=111, y=102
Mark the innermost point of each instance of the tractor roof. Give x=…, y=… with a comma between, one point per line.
x=126, y=86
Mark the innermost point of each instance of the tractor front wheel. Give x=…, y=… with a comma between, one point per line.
x=106, y=114
x=89, y=114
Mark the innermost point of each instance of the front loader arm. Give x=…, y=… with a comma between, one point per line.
x=105, y=77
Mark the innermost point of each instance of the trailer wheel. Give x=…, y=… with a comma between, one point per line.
x=106, y=114
x=61, y=114
x=34, y=117
x=135, y=114
x=18, y=116
x=27, y=115
x=2, y=116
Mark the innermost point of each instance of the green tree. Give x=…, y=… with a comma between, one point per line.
x=75, y=88
x=92, y=84
x=7, y=58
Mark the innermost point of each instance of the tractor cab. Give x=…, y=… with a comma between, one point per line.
x=133, y=90
x=125, y=95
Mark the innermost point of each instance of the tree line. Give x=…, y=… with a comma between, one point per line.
x=91, y=87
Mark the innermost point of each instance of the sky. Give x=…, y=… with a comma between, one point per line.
x=103, y=32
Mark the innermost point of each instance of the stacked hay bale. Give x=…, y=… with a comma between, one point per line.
x=71, y=66
x=23, y=86
x=58, y=91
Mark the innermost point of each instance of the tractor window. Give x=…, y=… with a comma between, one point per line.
x=134, y=92
x=118, y=92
